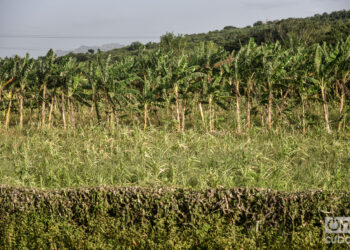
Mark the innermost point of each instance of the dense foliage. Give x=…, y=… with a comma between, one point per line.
x=306, y=31
x=109, y=218
x=93, y=156
x=327, y=28
x=172, y=84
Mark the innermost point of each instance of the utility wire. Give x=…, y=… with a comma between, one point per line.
x=76, y=37
x=64, y=37
x=13, y=48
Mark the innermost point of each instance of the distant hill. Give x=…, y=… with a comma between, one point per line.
x=85, y=49
x=319, y=28
x=309, y=30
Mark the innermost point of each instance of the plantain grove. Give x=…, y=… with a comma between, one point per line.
x=199, y=88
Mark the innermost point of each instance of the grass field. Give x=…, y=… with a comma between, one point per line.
x=158, y=187
x=94, y=156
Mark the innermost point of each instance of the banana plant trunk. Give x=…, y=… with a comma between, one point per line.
x=43, y=107
x=202, y=116
x=248, y=108
x=325, y=109
x=341, y=106
x=51, y=110
x=21, y=100
x=283, y=104
x=211, y=123
x=63, y=111
x=303, y=115
x=183, y=110
x=92, y=106
x=7, y=121
x=238, y=110
x=145, y=117
x=72, y=115
x=97, y=112
x=269, y=110
x=111, y=121
x=177, y=109
x=70, y=108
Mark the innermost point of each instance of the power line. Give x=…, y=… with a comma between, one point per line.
x=75, y=37
x=26, y=49
x=64, y=37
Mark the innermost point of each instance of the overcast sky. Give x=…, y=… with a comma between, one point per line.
x=37, y=25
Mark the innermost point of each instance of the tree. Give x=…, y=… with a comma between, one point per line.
x=135, y=46
x=45, y=68
x=24, y=69
x=258, y=23
x=68, y=86
x=273, y=71
x=324, y=59
x=209, y=58
x=342, y=75
x=11, y=66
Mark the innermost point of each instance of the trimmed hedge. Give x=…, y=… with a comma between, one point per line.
x=135, y=217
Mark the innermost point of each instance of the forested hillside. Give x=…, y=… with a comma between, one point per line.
x=317, y=29
x=292, y=31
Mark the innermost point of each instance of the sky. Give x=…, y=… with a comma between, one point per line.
x=35, y=26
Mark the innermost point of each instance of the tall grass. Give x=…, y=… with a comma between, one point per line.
x=128, y=156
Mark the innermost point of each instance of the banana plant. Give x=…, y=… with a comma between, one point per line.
x=68, y=80
x=6, y=76
x=24, y=69
x=342, y=76
x=298, y=80
x=45, y=68
x=119, y=86
x=113, y=80
x=74, y=89
x=233, y=72
x=324, y=59
x=209, y=58
x=250, y=63
x=154, y=75
x=273, y=71
x=9, y=85
x=91, y=75
x=179, y=74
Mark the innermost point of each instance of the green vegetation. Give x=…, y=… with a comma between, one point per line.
x=93, y=156
x=327, y=28
x=264, y=86
x=166, y=218
x=272, y=113
x=306, y=31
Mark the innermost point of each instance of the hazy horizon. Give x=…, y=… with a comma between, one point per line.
x=39, y=25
